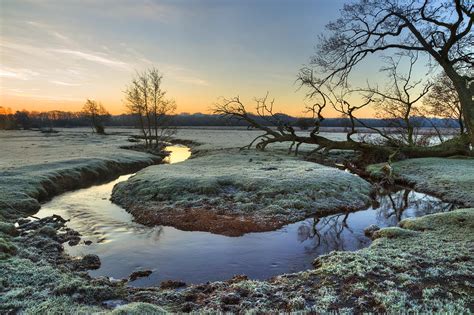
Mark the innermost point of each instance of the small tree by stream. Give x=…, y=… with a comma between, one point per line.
x=146, y=100
x=97, y=115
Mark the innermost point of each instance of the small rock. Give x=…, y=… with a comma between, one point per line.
x=23, y=221
x=271, y=168
x=47, y=231
x=87, y=242
x=170, y=284
x=111, y=304
x=230, y=299
x=77, y=297
x=187, y=307
x=371, y=229
x=139, y=274
x=90, y=261
x=238, y=278
x=74, y=241
x=317, y=263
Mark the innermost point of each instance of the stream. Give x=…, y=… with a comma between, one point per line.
x=197, y=257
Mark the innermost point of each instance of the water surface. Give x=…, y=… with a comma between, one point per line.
x=196, y=257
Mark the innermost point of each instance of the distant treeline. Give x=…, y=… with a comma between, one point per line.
x=61, y=119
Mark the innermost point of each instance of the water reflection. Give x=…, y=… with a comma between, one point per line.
x=343, y=232
x=197, y=257
x=178, y=153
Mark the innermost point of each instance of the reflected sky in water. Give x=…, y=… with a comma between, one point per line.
x=195, y=257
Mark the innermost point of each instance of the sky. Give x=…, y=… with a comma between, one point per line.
x=57, y=54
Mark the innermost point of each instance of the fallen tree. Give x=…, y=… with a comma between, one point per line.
x=440, y=32
x=371, y=152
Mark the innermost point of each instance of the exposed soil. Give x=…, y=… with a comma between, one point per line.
x=206, y=220
x=209, y=219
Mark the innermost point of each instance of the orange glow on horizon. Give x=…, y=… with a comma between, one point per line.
x=117, y=107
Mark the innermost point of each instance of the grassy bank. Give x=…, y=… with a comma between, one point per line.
x=36, y=167
x=425, y=265
x=451, y=179
x=239, y=191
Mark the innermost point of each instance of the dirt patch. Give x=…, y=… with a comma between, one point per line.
x=206, y=220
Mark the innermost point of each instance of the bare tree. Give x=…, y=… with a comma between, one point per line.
x=443, y=101
x=400, y=100
x=146, y=100
x=441, y=29
x=97, y=115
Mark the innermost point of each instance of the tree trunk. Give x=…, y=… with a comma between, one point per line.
x=372, y=153
x=467, y=104
x=465, y=93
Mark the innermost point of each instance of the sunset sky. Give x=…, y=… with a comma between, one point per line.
x=56, y=54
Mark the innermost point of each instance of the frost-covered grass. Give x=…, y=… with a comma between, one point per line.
x=426, y=265
x=35, y=166
x=451, y=179
x=261, y=185
x=138, y=308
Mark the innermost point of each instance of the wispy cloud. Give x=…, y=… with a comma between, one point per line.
x=50, y=30
x=64, y=83
x=21, y=74
x=12, y=45
x=95, y=57
x=26, y=93
x=191, y=80
x=184, y=75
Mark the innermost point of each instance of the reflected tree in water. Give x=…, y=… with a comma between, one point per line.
x=339, y=232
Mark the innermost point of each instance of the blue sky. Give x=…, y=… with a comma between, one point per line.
x=55, y=54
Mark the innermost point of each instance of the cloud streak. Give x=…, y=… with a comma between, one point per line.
x=94, y=58
x=21, y=74
x=64, y=83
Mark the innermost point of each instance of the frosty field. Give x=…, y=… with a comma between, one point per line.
x=323, y=256
x=36, y=166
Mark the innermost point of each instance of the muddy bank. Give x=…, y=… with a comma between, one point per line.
x=424, y=265
x=451, y=179
x=238, y=192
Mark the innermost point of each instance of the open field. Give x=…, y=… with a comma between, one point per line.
x=402, y=270
x=36, y=166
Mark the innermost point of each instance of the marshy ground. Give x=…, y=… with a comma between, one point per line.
x=424, y=264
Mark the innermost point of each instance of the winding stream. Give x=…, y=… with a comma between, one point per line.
x=196, y=257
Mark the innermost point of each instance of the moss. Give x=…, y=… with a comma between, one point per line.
x=61, y=305
x=461, y=219
x=7, y=248
x=393, y=232
x=138, y=309
x=28, y=284
x=8, y=228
